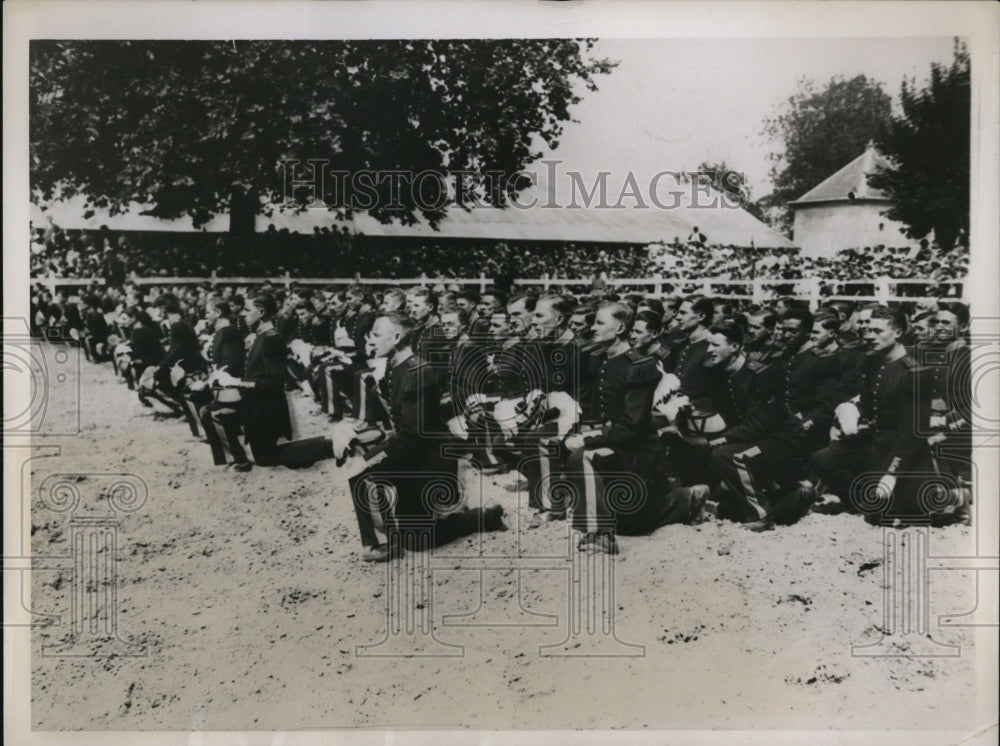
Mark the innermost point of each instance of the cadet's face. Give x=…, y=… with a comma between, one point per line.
x=450, y=325
x=758, y=332
x=304, y=315
x=578, y=325
x=605, y=326
x=464, y=304
x=861, y=322
x=487, y=305
x=212, y=314
x=945, y=326
x=517, y=317
x=545, y=320
x=880, y=335
x=720, y=350
x=383, y=338
x=686, y=317
x=498, y=326
x=791, y=333
x=640, y=336
x=417, y=308
x=252, y=315
x=922, y=329
x=820, y=336
x=390, y=303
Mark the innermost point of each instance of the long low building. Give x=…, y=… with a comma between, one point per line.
x=722, y=224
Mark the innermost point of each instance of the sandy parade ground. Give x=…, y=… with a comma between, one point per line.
x=242, y=604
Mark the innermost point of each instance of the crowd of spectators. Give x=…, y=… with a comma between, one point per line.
x=115, y=256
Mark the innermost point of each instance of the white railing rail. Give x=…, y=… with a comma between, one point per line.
x=812, y=289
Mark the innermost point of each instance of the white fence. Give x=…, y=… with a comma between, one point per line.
x=814, y=290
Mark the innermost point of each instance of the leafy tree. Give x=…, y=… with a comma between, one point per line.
x=732, y=183
x=822, y=131
x=189, y=126
x=928, y=146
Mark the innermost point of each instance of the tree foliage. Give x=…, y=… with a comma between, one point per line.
x=822, y=131
x=732, y=183
x=928, y=146
x=183, y=126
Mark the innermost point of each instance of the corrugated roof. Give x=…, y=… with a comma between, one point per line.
x=850, y=182
x=721, y=224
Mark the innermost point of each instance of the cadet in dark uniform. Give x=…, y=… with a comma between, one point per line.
x=951, y=390
x=760, y=346
x=407, y=477
x=615, y=470
x=263, y=408
x=878, y=431
x=687, y=359
x=762, y=460
x=557, y=354
x=645, y=334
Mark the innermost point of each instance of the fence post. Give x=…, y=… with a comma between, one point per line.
x=658, y=286
x=882, y=290
x=813, y=293
x=706, y=287
x=757, y=292
x=482, y=283
x=214, y=279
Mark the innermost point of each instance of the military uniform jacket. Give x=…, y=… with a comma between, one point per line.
x=949, y=378
x=734, y=397
x=622, y=398
x=516, y=370
x=893, y=403
x=184, y=348
x=808, y=387
x=412, y=391
x=146, y=347
x=688, y=364
x=265, y=403
x=560, y=361
x=228, y=350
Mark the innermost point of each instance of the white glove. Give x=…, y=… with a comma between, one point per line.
x=938, y=421
x=176, y=374
x=458, y=427
x=847, y=415
x=505, y=414
x=885, y=486
x=224, y=378
x=574, y=442
x=341, y=435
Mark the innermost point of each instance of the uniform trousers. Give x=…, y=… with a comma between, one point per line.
x=401, y=497
x=612, y=493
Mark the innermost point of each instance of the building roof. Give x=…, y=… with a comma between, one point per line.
x=630, y=225
x=849, y=183
x=721, y=224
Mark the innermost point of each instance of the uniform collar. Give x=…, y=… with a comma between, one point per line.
x=616, y=348
x=401, y=356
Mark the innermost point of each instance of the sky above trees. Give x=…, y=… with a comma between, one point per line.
x=673, y=104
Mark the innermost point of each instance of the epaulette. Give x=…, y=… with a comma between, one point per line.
x=642, y=369
x=756, y=366
x=823, y=353
x=420, y=375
